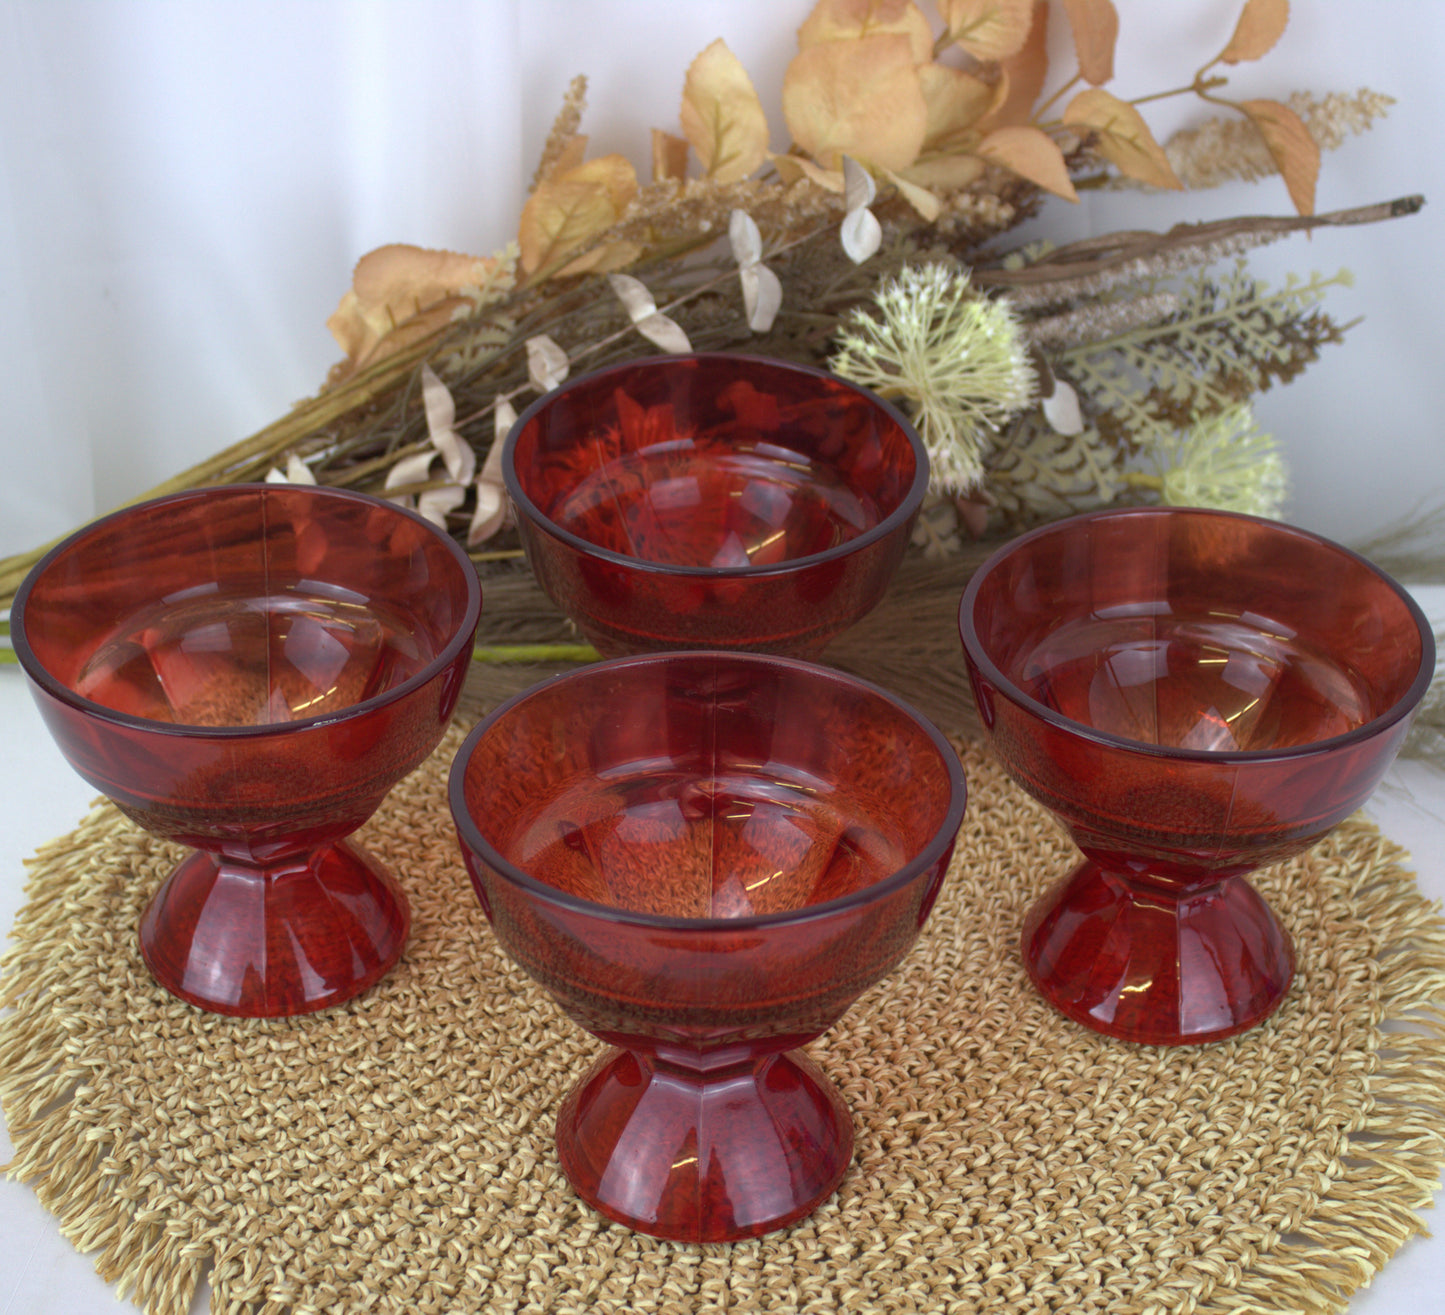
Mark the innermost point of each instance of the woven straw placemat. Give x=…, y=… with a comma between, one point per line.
x=396, y=1154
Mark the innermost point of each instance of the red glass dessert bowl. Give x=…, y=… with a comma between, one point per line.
x=714, y=501
x=706, y=858
x=249, y=670
x=1194, y=694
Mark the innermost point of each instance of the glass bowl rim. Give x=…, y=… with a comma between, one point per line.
x=908, y=505
x=42, y=677
x=944, y=835
x=1401, y=708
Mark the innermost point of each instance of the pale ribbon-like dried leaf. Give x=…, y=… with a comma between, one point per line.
x=434, y=504
x=493, y=507
x=646, y=318
x=457, y=456
x=745, y=238
x=1095, y=25
x=861, y=232
x=1061, y=409
x=547, y=363
x=722, y=116
x=1261, y=24
x=441, y=415
x=413, y=469
x=296, y=472
x=762, y=296
x=972, y=515
x=762, y=291
x=859, y=189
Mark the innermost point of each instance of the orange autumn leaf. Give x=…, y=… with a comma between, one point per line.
x=1261, y=24
x=404, y=279
x=612, y=172
x=945, y=173
x=794, y=168
x=669, y=156
x=988, y=29
x=1031, y=154
x=722, y=116
x=1095, y=24
x=571, y=209
x=850, y=20
x=860, y=98
x=1024, y=73
x=399, y=285
x=1295, y=152
x=375, y=346
x=559, y=217
x=1122, y=137
x=956, y=102
x=601, y=259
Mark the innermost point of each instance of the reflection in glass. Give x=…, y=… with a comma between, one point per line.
x=706, y=858
x=1194, y=694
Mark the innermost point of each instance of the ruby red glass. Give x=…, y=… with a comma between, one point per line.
x=1194, y=694
x=714, y=501
x=248, y=670
x=706, y=858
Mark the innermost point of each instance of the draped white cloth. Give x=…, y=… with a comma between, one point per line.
x=185, y=186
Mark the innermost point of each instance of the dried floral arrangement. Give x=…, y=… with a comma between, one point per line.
x=1043, y=380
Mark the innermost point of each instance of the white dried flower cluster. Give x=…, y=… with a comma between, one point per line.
x=959, y=360
x=1224, y=461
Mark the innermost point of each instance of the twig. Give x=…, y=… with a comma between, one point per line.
x=1096, y=255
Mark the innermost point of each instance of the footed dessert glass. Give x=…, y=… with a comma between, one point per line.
x=248, y=670
x=1193, y=694
x=714, y=501
x=706, y=858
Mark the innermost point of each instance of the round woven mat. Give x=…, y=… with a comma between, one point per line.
x=396, y=1154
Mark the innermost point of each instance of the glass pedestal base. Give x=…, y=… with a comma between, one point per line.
x=704, y=1156
x=267, y=943
x=1142, y=962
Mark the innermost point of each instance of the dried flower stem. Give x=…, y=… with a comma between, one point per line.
x=564, y=129
x=1101, y=319
x=1067, y=272
x=498, y=653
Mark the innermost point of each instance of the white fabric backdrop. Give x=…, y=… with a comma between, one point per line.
x=184, y=187
x=186, y=184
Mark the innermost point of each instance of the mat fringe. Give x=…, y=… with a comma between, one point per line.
x=156, y=1249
